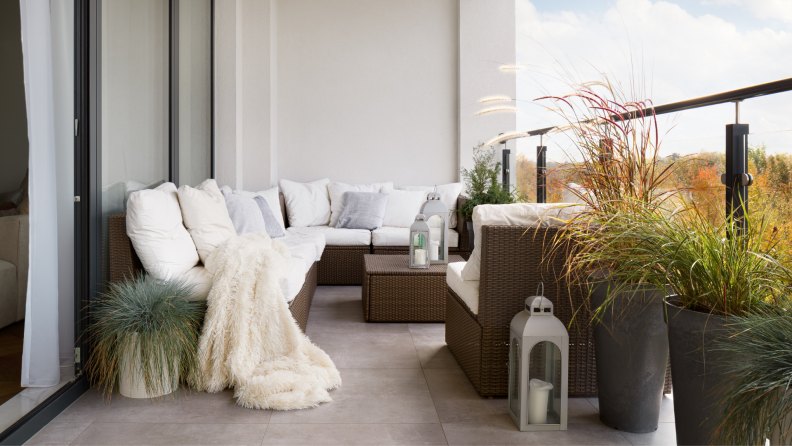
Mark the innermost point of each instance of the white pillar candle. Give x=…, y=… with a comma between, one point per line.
x=538, y=395
x=434, y=254
x=420, y=257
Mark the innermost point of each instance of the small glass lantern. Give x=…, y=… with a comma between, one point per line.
x=419, y=243
x=538, y=367
x=437, y=217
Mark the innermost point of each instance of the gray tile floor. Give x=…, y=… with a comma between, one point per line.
x=401, y=386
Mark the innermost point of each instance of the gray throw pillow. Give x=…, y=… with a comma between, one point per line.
x=244, y=213
x=274, y=229
x=363, y=210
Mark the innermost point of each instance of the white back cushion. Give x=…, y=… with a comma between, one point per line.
x=403, y=206
x=206, y=218
x=336, y=191
x=518, y=214
x=154, y=225
x=307, y=204
x=272, y=199
x=448, y=195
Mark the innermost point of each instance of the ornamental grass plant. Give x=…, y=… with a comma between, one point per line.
x=706, y=266
x=152, y=320
x=756, y=399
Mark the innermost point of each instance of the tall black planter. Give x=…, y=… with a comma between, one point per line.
x=694, y=371
x=632, y=356
x=471, y=235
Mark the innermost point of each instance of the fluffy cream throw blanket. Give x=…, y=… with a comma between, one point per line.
x=250, y=340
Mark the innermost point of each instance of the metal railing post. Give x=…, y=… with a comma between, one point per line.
x=541, y=174
x=737, y=179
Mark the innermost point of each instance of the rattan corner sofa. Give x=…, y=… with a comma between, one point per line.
x=338, y=265
x=514, y=259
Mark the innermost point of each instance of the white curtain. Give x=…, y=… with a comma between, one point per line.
x=40, y=365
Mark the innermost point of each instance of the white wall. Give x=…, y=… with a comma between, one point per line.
x=13, y=120
x=357, y=90
x=368, y=90
x=244, y=93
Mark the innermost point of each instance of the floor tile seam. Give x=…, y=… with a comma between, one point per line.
x=87, y=425
x=337, y=424
x=434, y=405
x=177, y=422
x=264, y=435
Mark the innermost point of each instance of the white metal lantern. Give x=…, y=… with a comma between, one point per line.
x=538, y=367
x=437, y=215
x=419, y=243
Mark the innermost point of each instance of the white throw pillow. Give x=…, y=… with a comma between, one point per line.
x=154, y=225
x=403, y=206
x=336, y=191
x=206, y=218
x=448, y=195
x=307, y=204
x=518, y=214
x=270, y=196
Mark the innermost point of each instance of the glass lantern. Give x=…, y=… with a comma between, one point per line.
x=538, y=368
x=437, y=215
x=419, y=243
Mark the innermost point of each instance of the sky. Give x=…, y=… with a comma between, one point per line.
x=676, y=49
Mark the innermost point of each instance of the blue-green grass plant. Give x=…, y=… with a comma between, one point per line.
x=158, y=320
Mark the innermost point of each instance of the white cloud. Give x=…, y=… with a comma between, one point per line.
x=763, y=9
x=674, y=54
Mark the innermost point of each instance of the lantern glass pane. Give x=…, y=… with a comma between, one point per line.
x=514, y=377
x=437, y=227
x=544, y=384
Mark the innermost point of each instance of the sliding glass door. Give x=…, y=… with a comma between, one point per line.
x=156, y=100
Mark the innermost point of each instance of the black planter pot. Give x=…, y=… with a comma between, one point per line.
x=694, y=371
x=471, y=235
x=631, y=344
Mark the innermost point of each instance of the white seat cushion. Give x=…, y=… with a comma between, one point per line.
x=202, y=279
x=291, y=283
x=305, y=252
x=467, y=290
x=155, y=227
x=518, y=214
x=389, y=236
x=317, y=239
x=337, y=237
x=293, y=280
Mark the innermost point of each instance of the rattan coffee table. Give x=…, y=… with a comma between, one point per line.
x=393, y=292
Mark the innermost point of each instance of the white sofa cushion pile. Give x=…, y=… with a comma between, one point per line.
x=154, y=225
x=336, y=192
x=307, y=204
